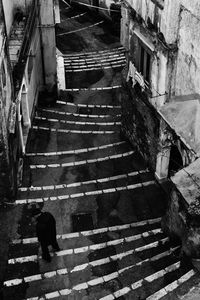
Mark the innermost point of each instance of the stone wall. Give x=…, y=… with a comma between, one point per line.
x=188, y=60
x=140, y=123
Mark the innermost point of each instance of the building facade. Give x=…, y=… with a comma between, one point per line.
x=27, y=45
x=160, y=99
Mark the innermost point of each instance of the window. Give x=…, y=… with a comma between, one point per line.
x=144, y=62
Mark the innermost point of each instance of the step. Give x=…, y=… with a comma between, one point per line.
x=58, y=124
x=61, y=114
x=95, y=263
x=78, y=283
x=34, y=258
x=131, y=177
x=73, y=152
x=56, y=141
x=83, y=162
x=95, y=58
x=107, y=239
x=86, y=187
x=86, y=233
x=144, y=284
x=76, y=259
x=96, y=68
x=81, y=195
x=99, y=157
x=92, y=53
x=85, y=109
x=77, y=105
x=97, y=88
x=78, y=154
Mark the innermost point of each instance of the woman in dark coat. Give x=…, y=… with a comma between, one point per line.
x=46, y=232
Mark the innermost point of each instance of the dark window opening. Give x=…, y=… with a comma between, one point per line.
x=175, y=162
x=144, y=63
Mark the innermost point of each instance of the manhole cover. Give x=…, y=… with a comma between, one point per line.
x=82, y=221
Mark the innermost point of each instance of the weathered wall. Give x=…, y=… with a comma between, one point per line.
x=167, y=15
x=9, y=8
x=47, y=23
x=140, y=124
x=188, y=61
x=5, y=84
x=5, y=104
x=179, y=223
x=33, y=71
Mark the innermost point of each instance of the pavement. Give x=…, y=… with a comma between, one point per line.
x=106, y=202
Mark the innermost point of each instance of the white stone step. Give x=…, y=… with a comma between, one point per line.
x=84, y=266
x=111, y=66
x=82, y=162
x=74, y=131
x=92, y=53
x=98, y=88
x=76, y=151
x=93, y=231
x=104, y=279
x=139, y=283
x=88, y=105
x=63, y=113
x=172, y=286
x=53, y=120
x=77, y=184
x=81, y=195
x=129, y=239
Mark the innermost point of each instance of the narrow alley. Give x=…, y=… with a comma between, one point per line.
x=106, y=202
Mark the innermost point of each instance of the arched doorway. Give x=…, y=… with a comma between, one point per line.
x=175, y=161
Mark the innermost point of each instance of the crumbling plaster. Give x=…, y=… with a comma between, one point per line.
x=188, y=60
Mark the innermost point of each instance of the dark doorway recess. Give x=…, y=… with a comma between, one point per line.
x=82, y=221
x=175, y=162
x=96, y=3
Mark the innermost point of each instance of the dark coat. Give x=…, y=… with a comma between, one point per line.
x=46, y=228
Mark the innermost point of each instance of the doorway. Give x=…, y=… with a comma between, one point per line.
x=175, y=161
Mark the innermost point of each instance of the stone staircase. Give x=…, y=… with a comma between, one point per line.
x=106, y=203
x=125, y=255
